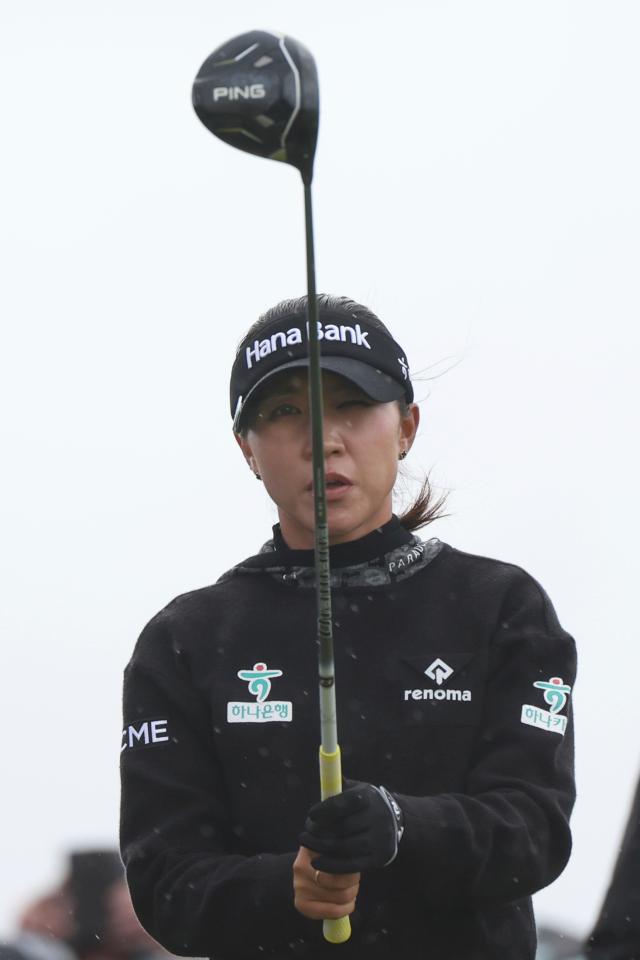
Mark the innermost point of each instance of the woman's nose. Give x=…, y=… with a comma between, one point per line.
x=332, y=434
x=332, y=440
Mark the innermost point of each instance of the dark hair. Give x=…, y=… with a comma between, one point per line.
x=426, y=507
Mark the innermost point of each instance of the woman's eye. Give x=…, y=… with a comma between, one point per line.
x=283, y=410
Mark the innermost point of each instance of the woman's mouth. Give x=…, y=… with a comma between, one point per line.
x=336, y=485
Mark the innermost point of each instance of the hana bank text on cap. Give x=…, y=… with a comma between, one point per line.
x=359, y=351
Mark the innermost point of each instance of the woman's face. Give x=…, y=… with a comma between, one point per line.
x=362, y=442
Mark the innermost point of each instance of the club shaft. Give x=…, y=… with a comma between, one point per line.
x=323, y=581
x=338, y=930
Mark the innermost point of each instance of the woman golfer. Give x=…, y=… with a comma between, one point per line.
x=453, y=689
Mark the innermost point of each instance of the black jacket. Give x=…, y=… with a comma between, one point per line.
x=216, y=785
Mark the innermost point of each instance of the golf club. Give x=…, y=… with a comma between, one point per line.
x=259, y=92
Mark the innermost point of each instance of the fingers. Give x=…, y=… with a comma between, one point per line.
x=344, y=826
x=323, y=910
x=319, y=895
x=334, y=883
x=342, y=848
x=333, y=866
x=339, y=807
x=322, y=903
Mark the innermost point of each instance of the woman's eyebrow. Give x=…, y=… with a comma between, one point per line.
x=286, y=390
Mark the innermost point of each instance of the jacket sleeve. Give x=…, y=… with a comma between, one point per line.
x=506, y=835
x=191, y=888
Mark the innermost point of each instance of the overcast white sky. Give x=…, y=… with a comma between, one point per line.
x=476, y=185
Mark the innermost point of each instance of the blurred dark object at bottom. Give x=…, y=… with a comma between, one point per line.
x=88, y=916
x=555, y=945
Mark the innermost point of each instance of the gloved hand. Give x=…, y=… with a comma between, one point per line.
x=358, y=829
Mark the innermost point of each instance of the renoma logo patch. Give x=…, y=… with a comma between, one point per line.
x=282, y=339
x=261, y=710
x=555, y=696
x=439, y=671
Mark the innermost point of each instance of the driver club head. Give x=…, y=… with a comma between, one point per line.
x=259, y=93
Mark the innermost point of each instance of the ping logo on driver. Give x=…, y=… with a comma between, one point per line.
x=251, y=91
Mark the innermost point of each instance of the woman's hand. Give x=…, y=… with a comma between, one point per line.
x=319, y=895
x=354, y=830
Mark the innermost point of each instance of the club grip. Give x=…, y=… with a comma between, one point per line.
x=330, y=773
x=335, y=931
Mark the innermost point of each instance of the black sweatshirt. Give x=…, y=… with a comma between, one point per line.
x=437, y=657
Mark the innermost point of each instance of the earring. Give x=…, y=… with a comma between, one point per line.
x=402, y=455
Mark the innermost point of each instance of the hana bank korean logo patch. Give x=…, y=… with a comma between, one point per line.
x=555, y=695
x=261, y=710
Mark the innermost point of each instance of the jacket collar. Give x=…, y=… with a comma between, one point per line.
x=379, y=542
x=384, y=556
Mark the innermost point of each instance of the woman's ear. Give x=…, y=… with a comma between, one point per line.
x=247, y=452
x=408, y=428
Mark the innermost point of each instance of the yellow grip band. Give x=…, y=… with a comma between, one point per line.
x=330, y=773
x=334, y=931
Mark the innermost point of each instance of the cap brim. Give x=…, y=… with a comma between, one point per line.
x=376, y=384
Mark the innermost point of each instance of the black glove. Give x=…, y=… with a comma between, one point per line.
x=358, y=829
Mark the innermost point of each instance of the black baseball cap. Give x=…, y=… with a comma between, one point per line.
x=349, y=346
